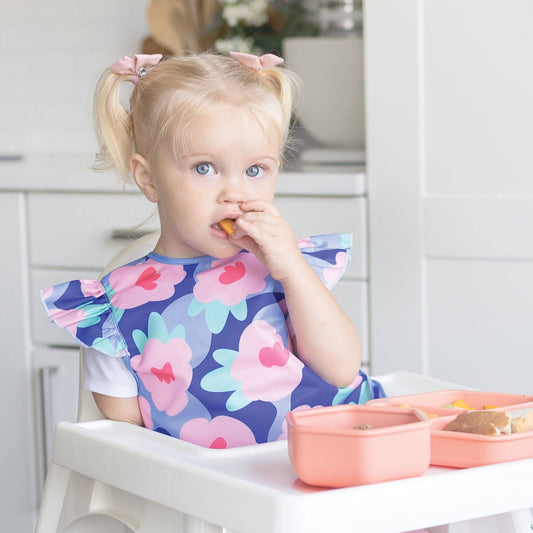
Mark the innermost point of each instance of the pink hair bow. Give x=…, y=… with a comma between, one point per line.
x=257, y=62
x=139, y=64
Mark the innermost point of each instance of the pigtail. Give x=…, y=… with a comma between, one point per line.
x=285, y=84
x=114, y=127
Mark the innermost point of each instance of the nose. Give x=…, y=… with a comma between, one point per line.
x=233, y=190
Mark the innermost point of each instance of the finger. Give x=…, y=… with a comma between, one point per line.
x=256, y=224
x=259, y=206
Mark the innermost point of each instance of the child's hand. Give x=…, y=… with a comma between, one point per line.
x=325, y=338
x=262, y=231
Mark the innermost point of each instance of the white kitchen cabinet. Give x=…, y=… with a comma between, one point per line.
x=18, y=497
x=71, y=229
x=449, y=166
x=85, y=225
x=55, y=386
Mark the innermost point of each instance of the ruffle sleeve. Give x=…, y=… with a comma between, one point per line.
x=82, y=307
x=328, y=255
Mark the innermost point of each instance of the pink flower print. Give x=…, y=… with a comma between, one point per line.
x=333, y=273
x=68, y=318
x=46, y=293
x=266, y=369
x=91, y=287
x=165, y=371
x=221, y=432
x=144, y=282
x=146, y=412
x=305, y=243
x=231, y=280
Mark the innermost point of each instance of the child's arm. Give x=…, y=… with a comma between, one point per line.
x=326, y=339
x=120, y=409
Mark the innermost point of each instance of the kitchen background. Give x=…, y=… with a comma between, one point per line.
x=53, y=53
x=442, y=212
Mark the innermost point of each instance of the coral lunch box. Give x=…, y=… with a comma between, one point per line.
x=325, y=449
x=464, y=450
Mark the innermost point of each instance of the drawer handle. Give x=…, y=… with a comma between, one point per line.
x=47, y=412
x=128, y=234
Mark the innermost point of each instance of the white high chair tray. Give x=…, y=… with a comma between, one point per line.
x=255, y=489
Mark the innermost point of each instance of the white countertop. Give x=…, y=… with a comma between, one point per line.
x=73, y=173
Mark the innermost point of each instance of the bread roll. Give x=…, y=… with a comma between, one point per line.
x=521, y=420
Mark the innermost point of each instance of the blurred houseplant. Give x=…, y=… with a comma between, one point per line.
x=258, y=26
x=241, y=25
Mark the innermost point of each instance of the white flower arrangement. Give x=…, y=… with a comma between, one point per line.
x=257, y=26
x=247, y=12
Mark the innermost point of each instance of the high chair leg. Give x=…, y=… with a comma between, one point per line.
x=54, y=494
x=522, y=521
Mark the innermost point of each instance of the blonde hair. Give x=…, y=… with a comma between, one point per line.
x=176, y=92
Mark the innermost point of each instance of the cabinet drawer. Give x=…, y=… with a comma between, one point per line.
x=353, y=298
x=44, y=331
x=315, y=215
x=76, y=230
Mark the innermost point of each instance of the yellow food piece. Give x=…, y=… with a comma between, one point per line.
x=227, y=225
x=461, y=404
x=489, y=406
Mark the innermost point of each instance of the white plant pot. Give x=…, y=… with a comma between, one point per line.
x=332, y=102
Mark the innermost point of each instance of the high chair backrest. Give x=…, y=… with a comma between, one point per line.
x=87, y=408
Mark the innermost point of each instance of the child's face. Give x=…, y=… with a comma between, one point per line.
x=230, y=159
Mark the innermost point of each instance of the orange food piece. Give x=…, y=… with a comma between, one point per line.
x=227, y=225
x=489, y=406
x=461, y=404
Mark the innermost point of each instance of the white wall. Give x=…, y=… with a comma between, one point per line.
x=52, y=53
x=449, y=169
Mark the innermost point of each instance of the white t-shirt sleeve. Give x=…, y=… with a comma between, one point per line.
x=107, y=375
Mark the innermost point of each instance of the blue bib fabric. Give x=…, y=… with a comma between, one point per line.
x=208, y=341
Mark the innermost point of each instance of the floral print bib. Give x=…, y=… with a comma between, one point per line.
x=208, y=341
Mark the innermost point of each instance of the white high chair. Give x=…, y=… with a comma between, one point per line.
x=129, y=473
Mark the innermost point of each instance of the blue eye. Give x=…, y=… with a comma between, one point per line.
x=205, y=169
x=255, y=171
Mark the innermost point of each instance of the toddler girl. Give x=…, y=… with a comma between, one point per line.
x=214, y=336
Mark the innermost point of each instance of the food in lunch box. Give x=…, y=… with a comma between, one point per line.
x=227, y=225
x=521, y=420
x=363, y=426
x=461, y=404
x=492, y=422
x=481, y=422
x=458, y=404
